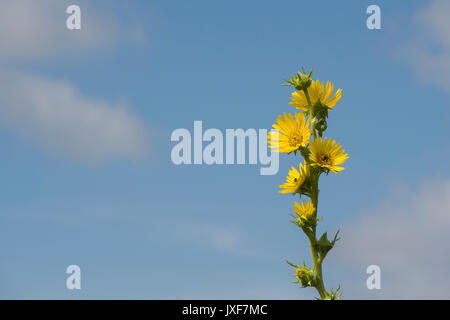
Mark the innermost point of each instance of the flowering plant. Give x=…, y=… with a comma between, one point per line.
x=303, y=133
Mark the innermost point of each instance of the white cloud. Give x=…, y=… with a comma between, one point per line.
x=409, y=238
x=55, y=115
x=428, y=52
x=52, y=112
x=216, y=237
x=31, y=29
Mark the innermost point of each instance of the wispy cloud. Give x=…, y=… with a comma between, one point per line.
x=408, y=237
x=221, y=238
x=56, y=116
x=217, y=237
x=51, y=112
x=31, y=30
x=427, y=52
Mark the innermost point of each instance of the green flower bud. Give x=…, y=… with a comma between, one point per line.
x=305, y=276
x=319, y=111
x=321, y=125
x=300, y=81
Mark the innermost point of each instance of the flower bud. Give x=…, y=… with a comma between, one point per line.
x=300, y=81
x=321, y=125
x=319, y=111
x=305, y=276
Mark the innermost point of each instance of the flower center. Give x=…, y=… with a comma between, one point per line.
x=295, y=139
x=325, y=159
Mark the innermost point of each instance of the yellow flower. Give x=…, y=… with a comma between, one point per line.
x=292, y=133
x=328, y=154
x=305, y=210
x=295, y=179
x=316, y=94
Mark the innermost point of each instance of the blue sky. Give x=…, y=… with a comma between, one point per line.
x=85, y=123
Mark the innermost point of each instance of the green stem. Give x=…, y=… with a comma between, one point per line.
x=318, y=272
x=313, y=129
x=319, y=285
x=316, y=259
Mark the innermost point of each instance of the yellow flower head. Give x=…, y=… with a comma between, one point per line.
x=328, y=154
x=316, y=94
x=293, y=132
x=295, y=179
x=305, y=210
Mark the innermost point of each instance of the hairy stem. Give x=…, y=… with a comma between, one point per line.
x=316, y=259
x=313, y=129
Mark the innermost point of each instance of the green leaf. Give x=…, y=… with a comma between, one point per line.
x=291, y=264
x=334, y=294
x=323, y=245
